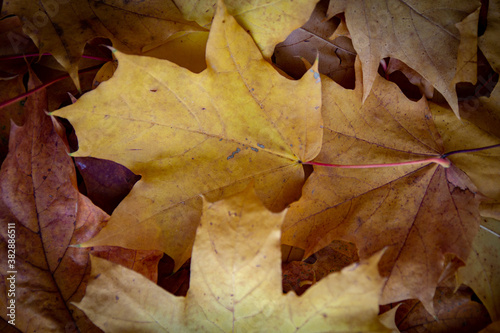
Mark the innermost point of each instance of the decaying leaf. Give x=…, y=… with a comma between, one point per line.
x=63, y=27
x=456, y=311
x=482, y=271
x=40, y=202
x=311, y=41
x=484, y=112
x=411, y=209
x=300, y=275
x=426, y=89
x=188, y=134
x=488, y=43
x=235, y=284
x=422, y=34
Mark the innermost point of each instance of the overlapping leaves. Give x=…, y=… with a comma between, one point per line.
x=188, y=134
x=237, y=238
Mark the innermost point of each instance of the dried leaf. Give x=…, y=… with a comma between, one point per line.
x=235, y=284
x=421, y=34
x=483, y=167
x=106, y=182
x=218, y=130
x=300, y=275
x=426, y=89
x=269, y=22
x=482, y=271
x=63, y=27
x=488, y=43
x=40, y=203
x=455, y=312
x=311, y=41
x=411, y=209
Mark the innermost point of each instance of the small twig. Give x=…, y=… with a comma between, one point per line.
x=48, y=54
x=32, y=91
x=469, y=150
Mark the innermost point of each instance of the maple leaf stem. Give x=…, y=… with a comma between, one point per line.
x=48, y=54
x=32, y=91
x=438, y=160
x=469, y=150
x=442, y=160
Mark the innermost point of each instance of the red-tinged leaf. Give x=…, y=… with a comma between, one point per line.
x=40, y=203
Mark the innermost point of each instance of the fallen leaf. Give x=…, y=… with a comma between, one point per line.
x=106, y=182
x=482, y=167
x=300, y=275
x=484, y=112
x=466, y=69
x=482, y=271
x=13, y=42
x=455, y=312
x=234, y=122
x=269, y=22
x=423, y=35
x=39, y=201
x=12, y=113
x=63, y=27
x=105, y=73
x=426, y=89
x=488, y=43
x=492, y=328
x=311, y=41
x=235, y=284
x=411, y=209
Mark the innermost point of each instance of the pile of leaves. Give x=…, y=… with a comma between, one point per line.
x=250, y=166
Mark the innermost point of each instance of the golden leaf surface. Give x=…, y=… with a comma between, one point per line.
x=411, y=209
x=269, y=22
x=188, y=134
x=235, y=284
x=422, y=34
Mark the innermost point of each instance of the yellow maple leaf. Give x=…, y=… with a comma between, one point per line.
x=269, y=22
x=235, y=284
x=188, y=134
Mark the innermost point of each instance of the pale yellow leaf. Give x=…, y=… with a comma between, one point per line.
x=235, y=284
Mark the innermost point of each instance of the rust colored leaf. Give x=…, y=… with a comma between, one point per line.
x=300, y=275
x=482, y=272
x=106, y=182
x=40, y=202
x=311, y=41
x=411, y=209
x=488, y=43
x=455, y=312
